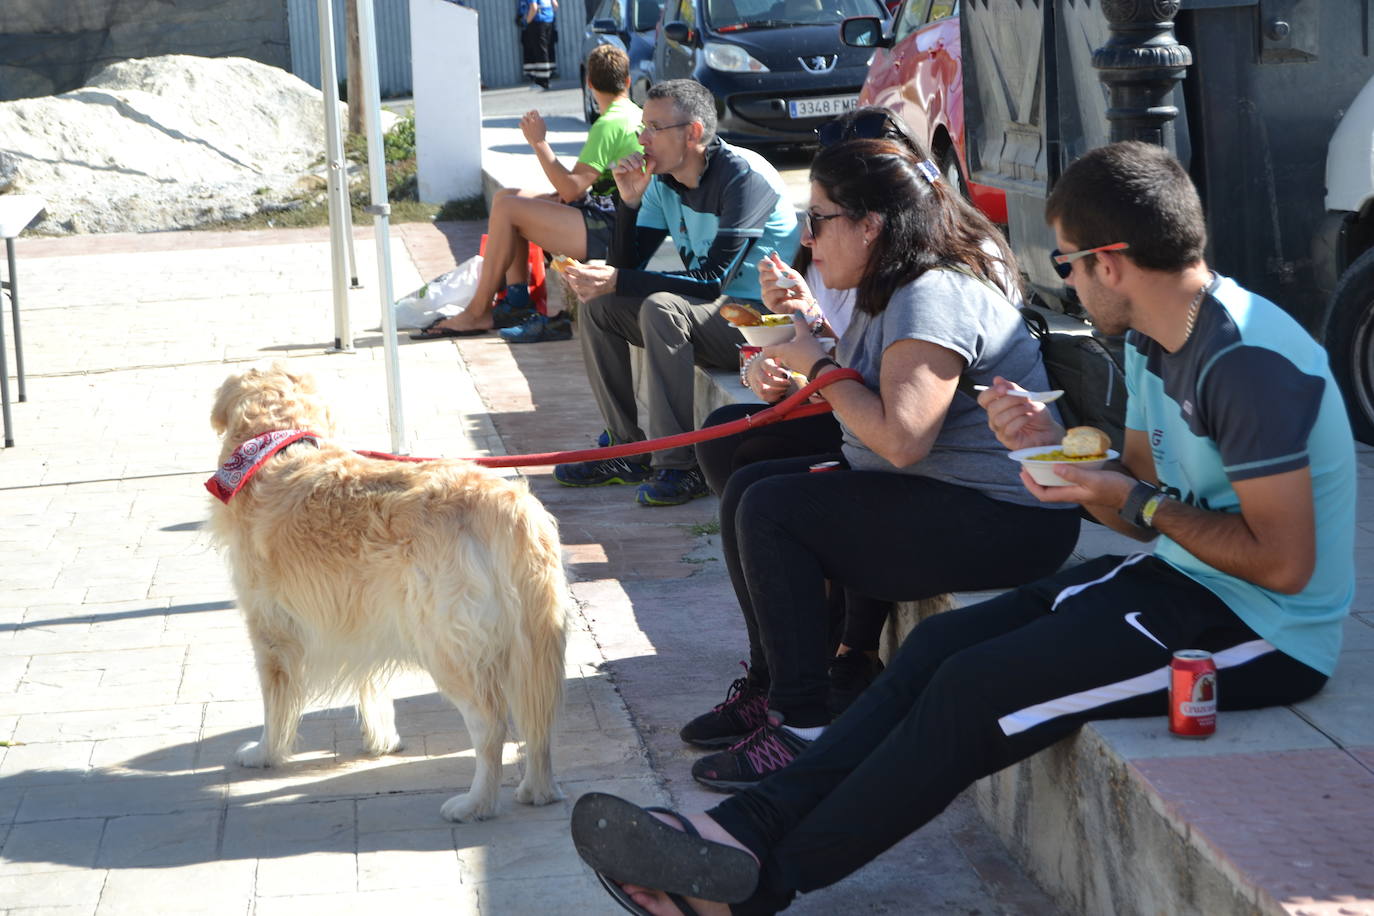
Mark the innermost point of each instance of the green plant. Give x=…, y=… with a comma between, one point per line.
x=705, y=528
x=399, y=142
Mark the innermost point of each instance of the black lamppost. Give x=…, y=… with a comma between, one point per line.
x=1140, y=64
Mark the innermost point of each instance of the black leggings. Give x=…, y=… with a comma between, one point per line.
x=861, y=618
x=977, y=689
x=890, y=536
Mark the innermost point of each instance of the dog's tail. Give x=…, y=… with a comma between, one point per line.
x=534, y=678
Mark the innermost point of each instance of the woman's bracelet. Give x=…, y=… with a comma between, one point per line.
x=744, y=369
x=820, y=364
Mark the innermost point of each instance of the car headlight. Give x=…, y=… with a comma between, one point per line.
x=731, y=59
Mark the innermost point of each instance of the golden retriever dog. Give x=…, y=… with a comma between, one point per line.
x=348, y=568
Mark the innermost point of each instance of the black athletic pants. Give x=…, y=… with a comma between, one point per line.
x=893, y=537
x=976, y=689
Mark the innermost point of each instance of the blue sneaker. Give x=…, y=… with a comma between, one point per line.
x=539, y=328
x=672, y=487
x=506, y=316
x=604, y=472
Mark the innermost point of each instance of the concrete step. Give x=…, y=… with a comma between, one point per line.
x=1274, y=814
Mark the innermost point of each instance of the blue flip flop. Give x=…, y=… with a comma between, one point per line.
x=626, y=844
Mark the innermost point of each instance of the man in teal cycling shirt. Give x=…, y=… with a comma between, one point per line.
x=725, y=209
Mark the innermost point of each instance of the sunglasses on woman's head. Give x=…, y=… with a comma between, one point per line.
x=871, y=125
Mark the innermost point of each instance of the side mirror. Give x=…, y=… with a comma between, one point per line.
x=680, y=32
x=604, y=26
x=864, y=32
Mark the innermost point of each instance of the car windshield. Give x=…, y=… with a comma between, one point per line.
x=731, y=15
x=646, y=14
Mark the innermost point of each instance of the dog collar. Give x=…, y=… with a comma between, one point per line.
x=248, y=457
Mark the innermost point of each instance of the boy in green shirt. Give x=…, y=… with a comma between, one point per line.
x=577, y=220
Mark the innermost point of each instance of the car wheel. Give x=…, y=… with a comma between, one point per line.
x=589, y=112
x=1350, y=343
x=949, y=168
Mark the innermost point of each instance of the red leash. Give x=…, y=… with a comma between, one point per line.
x=791, y=408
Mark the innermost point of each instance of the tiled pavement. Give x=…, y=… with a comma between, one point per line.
x=126, y=680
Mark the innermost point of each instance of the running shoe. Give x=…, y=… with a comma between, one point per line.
x=745, y=709
x=672, y=487
x=768, y=749
x=540, y=328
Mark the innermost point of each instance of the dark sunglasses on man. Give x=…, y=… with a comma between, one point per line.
x=871, y=125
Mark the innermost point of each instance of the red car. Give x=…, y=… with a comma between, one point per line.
x=917, y=72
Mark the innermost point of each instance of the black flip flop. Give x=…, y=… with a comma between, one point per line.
x=434, y=332
x=620, y=896
x=627, y=844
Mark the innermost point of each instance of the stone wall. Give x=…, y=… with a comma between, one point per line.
x=49, y=47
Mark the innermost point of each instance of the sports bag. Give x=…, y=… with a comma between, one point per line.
x=1090, y=370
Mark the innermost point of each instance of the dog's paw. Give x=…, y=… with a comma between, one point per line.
x=253, y=754
x=466, y=808
x=380, y=747
x=526, y=794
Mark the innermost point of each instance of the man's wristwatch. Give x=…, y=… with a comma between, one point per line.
x=1147, y=511
x=1135, y=502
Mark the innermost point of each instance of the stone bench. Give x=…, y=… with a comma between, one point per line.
x=1274, y=814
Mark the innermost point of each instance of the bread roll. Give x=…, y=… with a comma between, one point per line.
x=740, y=315
x=1085, y=441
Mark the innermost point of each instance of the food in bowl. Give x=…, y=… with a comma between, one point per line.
x=741, y=316
x=1085, y=442
x=763, y=335
x=1083, y=446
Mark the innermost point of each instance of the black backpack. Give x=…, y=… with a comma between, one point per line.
x=1090, y=369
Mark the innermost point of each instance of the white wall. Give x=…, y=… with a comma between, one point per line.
x=448, y=100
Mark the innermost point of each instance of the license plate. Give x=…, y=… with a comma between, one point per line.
x=825, y=107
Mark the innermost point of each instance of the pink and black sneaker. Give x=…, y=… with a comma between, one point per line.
x=745, y=709
x=770, y=748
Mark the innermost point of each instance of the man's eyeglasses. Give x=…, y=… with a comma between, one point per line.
x=652, y=129
x=1063, y=263
x=871, y=125
x=813, y=222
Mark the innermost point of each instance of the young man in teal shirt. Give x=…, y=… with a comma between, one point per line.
x=577, y=220
x=1238, y=458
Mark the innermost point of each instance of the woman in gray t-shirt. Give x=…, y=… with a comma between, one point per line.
x=923, y=489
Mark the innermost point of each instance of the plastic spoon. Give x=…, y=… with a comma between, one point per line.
x=1044, y=397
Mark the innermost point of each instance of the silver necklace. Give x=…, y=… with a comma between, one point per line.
x=1192, y=310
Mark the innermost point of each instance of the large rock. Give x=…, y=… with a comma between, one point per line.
x=165, y=143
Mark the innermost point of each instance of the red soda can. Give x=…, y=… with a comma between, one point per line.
x=1192, y=694
x=746, y=351
x=824, y=466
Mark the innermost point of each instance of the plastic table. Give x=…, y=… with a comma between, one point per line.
x=16, y=212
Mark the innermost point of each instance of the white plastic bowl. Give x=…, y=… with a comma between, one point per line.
x=762, y=335
x=1042, y=472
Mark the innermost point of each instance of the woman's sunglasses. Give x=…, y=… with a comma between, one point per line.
x=871, y=125
x=814, y=221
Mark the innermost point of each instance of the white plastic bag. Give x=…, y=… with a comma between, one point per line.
x=442, y=297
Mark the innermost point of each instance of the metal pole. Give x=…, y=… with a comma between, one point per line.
x=381, y=212
x=337, y=190
x=4, y=369
x=1139, y=65
x=14, y=312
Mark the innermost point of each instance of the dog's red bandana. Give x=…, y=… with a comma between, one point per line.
x=248, y=457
